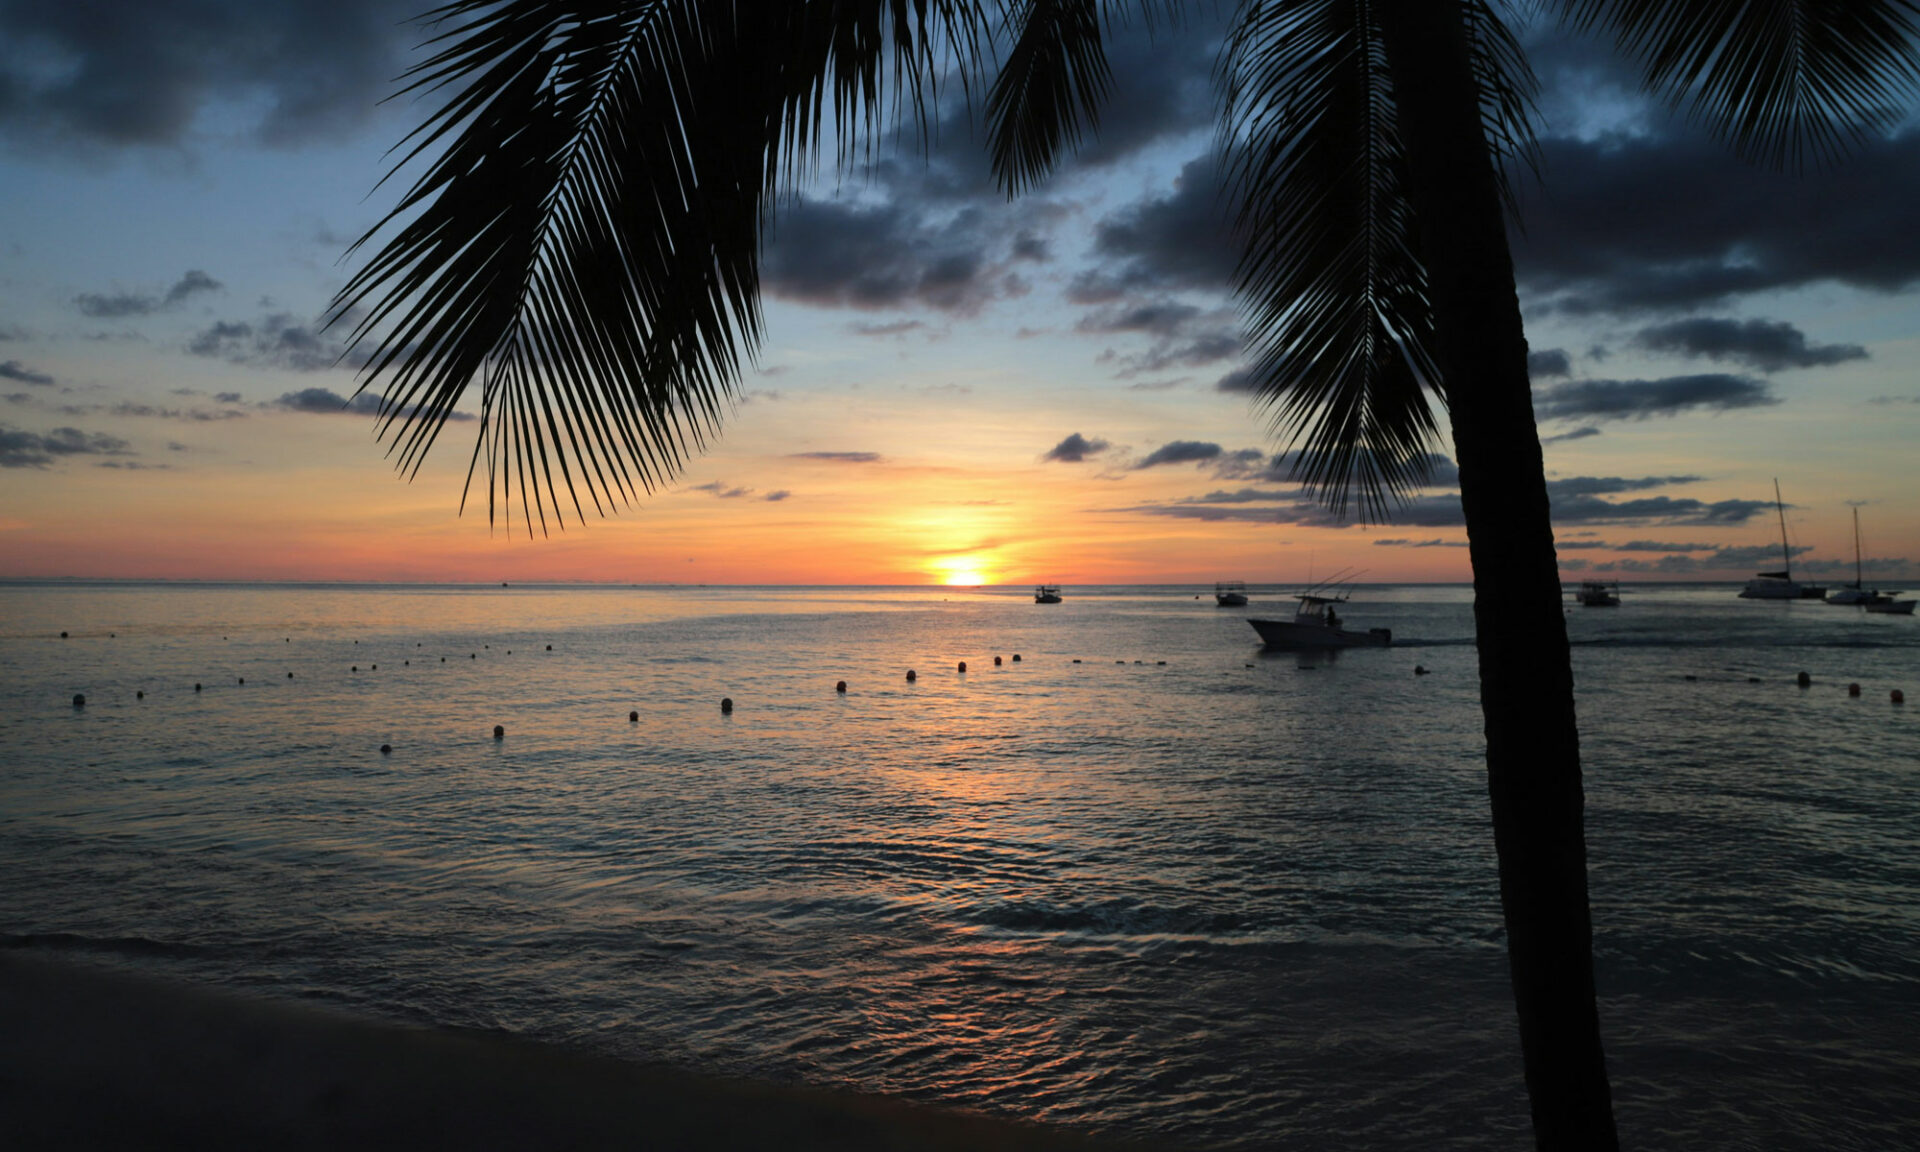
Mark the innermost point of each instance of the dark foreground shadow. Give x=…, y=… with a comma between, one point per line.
x=91, y=1058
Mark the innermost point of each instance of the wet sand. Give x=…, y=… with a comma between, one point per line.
x=94, y=1058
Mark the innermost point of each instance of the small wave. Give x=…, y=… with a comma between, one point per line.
x=111, y=945
x=1109, y=918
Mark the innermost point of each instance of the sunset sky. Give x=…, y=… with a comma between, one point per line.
x=952, y=388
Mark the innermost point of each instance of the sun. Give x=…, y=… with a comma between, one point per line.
x=965, y=578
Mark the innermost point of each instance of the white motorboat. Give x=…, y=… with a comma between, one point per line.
x=1884, y=604
x=1316, y=624
x=1230, y=593
x=1599, y=594
x=1781, y=585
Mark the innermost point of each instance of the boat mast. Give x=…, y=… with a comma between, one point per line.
x=1786, y=557
x=1856, y=548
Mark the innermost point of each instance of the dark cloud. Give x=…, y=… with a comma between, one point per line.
x=1180, y=452
x=1768, y=346
x=1611, y=485
x=1240, y=380
x=227, y=397
x=1895, y=400
x=1548, y=363
x=327, y=402
x=1403, y=542
x=1640, y=399
x=892, y=328
x=156, y=412
x=1659, y=222
x=14, y=370
x=121, y=305
x=722, y=490
x=1076, y=448
x=778, y=495
x=886, y=256
x=1580, y=433
x=278, y=340
x=22, y=449
x=1179, y=241
x=838, y=457
x=1160, y=318
x=140, y=74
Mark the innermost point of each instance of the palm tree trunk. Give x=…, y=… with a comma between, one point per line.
x=1526, y=675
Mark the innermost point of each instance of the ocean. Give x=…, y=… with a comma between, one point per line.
x=1127, y=871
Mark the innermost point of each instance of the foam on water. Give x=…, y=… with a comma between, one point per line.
x=1236, y=898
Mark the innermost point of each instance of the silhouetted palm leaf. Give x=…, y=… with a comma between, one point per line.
x=1054, y=77
x=1774, y=77
x=585, y=247
x=1330, y=277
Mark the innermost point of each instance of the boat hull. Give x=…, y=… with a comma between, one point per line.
x=1230, y=599
x=1291, y=636
x=1765, y=589
x=1886, y=607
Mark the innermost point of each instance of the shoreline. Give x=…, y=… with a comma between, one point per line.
x=93, y=1056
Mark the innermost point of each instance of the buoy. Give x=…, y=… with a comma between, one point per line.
x=1119, y=661
x=243, y=680
x=1853, y=689
x=79, y=701
x=911, y=676
x=356, y=641
x=1753, y=679
x=408, y=663
x=1899, y=697
x=499, y=732
x=356, y=668
x=386, y=749
x=1690, y=677
x=473, y=655
x=996, y=661
x=633, y=717
x=1076, y=660
x=1161, y=663
x=963, y=665
x=1016, y=657
x=443, y=659
x=196, y=687
x=840, y=686
x=63, y=635
x=1419, y=669
x=726, y=704
x=376, y=667
x=139, y=695
x=549, y=647
x=111, y=635
x=289, y=675
x=509, y=651
x=1803, y=679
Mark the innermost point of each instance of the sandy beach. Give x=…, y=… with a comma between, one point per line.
x=97, y=1058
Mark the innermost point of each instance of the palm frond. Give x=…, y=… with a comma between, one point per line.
x=1331, y=280
x=584, y=242
x=1053, y=80
x=1778, y=79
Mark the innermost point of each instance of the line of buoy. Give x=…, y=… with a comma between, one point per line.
x=499, y=732
x=139, y=695
x=726, y=704
x=386, y=749
x=1853, y=689
x=911, y=676
x=1016, y=657
x=63, y=635
x=1803, y=680
x=963, y=665
x=633, y=717
x=79, y=701
x=996, y=661
x=840, y=686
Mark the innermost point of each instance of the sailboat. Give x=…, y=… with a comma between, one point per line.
x=1781, y=585
x=1856, y=592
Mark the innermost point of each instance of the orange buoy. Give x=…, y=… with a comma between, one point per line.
x=911, y=676
x=499, y=732
x=726, y=704
x=840, y=686
x=996, y=661
x=963, y=665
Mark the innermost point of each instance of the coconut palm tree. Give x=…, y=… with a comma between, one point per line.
x=583, y=246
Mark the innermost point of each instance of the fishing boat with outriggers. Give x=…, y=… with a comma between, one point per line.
x=1046, y=594
x=1316, y=623
x=1781, y=585
x=1599, y=593
x=1230, y=593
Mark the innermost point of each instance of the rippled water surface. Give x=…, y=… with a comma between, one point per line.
x=1147, y=879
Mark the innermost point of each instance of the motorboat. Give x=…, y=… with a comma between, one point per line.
x=1884, y=604
x=1316, y=624
x=1599, y=594
x=1047, y=594
x=1781, y=585
x=1230, y=593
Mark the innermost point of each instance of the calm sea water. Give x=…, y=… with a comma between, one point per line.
x=1148, y=879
